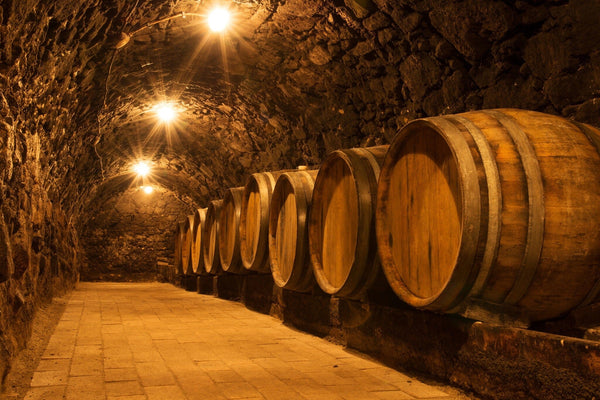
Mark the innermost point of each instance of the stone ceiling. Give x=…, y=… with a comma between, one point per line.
x=290, y=81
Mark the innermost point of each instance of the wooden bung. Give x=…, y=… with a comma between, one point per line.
x=210, y=247
x=229, y=234
x=492, y=214
x=341, y=230
x=197, y=262
x=186, y=245
x=254, y=221
x=288, y=233
x=179, y=229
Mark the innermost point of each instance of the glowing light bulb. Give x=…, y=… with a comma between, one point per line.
x=148, y=189
x=165, y=112
x=141, y=168
x=218, y=19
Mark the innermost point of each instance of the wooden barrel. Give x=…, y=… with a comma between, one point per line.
x=229, y=234
x=210, y=246
x=179, y=230
x=341, y=228
x=197, y=262
x=186, y=245
x=254, y=220
x=492, y=212
x=288, y=233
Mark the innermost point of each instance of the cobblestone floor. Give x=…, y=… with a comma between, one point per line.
x=153, y=341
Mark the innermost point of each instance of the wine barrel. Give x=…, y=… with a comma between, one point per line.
x=288, y=234
x=229, y=234
x=186, y=245
x=341, y=228
x=179, y=230
x=254, y=220
x=492, y=212
x=210, y=246
x=197, y=262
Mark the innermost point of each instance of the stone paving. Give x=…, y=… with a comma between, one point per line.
x=153, y=341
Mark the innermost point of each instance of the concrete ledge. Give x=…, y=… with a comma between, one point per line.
x=204, y=284
x=493, y=361
x=490, y=360
x=189, y=283
x=228, y=286
x=257, y=292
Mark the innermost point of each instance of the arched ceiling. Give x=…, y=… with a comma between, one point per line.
x=290, y=81
x=235, y=113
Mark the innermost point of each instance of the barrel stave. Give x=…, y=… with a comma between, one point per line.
x=537, y=250
x=229, y=235
x=210, y=248
x=288, y=234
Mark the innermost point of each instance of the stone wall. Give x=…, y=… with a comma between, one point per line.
x=295, y=80
x=124, y=238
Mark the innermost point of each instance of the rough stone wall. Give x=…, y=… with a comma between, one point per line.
x=301, y=78
x=126, y=235
x=39, y=247
x=357, y=74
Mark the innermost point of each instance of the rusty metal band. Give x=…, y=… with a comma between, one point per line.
x=492, y=177
x=359, y=278
x=471, y=201
x=535, y=190
x=372, y=161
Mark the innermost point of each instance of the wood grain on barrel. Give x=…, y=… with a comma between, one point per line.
x=186, y=245
x=210, y=247
x=197, y=261
x=229, y=236
x=341, y=226
x=287, y=231
x=427, y=194
x=288, y=234
x=178, y=240
x=534, y=246
x=251, y=226
x=254, y=221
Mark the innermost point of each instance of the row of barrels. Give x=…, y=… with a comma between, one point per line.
x=493, y=209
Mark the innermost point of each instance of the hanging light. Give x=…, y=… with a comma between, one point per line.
x=218, y=19
x=141, y=168
x=165, y=112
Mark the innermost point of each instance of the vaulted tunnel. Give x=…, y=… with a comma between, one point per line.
x=287, y=83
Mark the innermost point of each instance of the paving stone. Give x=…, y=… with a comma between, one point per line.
x=120, y=374
x=54, y=364
x=134, y=397
x=49, y=378
x=154, y=374
x=155, y=341
x=164, y=393
x=124, y=388
x=45, y=393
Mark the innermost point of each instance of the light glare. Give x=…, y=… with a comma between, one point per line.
x=148, y=189
x=218, y=19
x=165, y=112
x=141, y=168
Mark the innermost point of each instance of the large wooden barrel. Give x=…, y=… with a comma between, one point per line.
x=229, y=234
x=288, y=233
x=492, y=212
x=179, y=230
x=254, y=220
x=341, y=229
x=186, y=245
x=210, y=245
x=197, y=261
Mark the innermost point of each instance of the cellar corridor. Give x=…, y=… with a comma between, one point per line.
x=416, y=181
x=134, y=341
